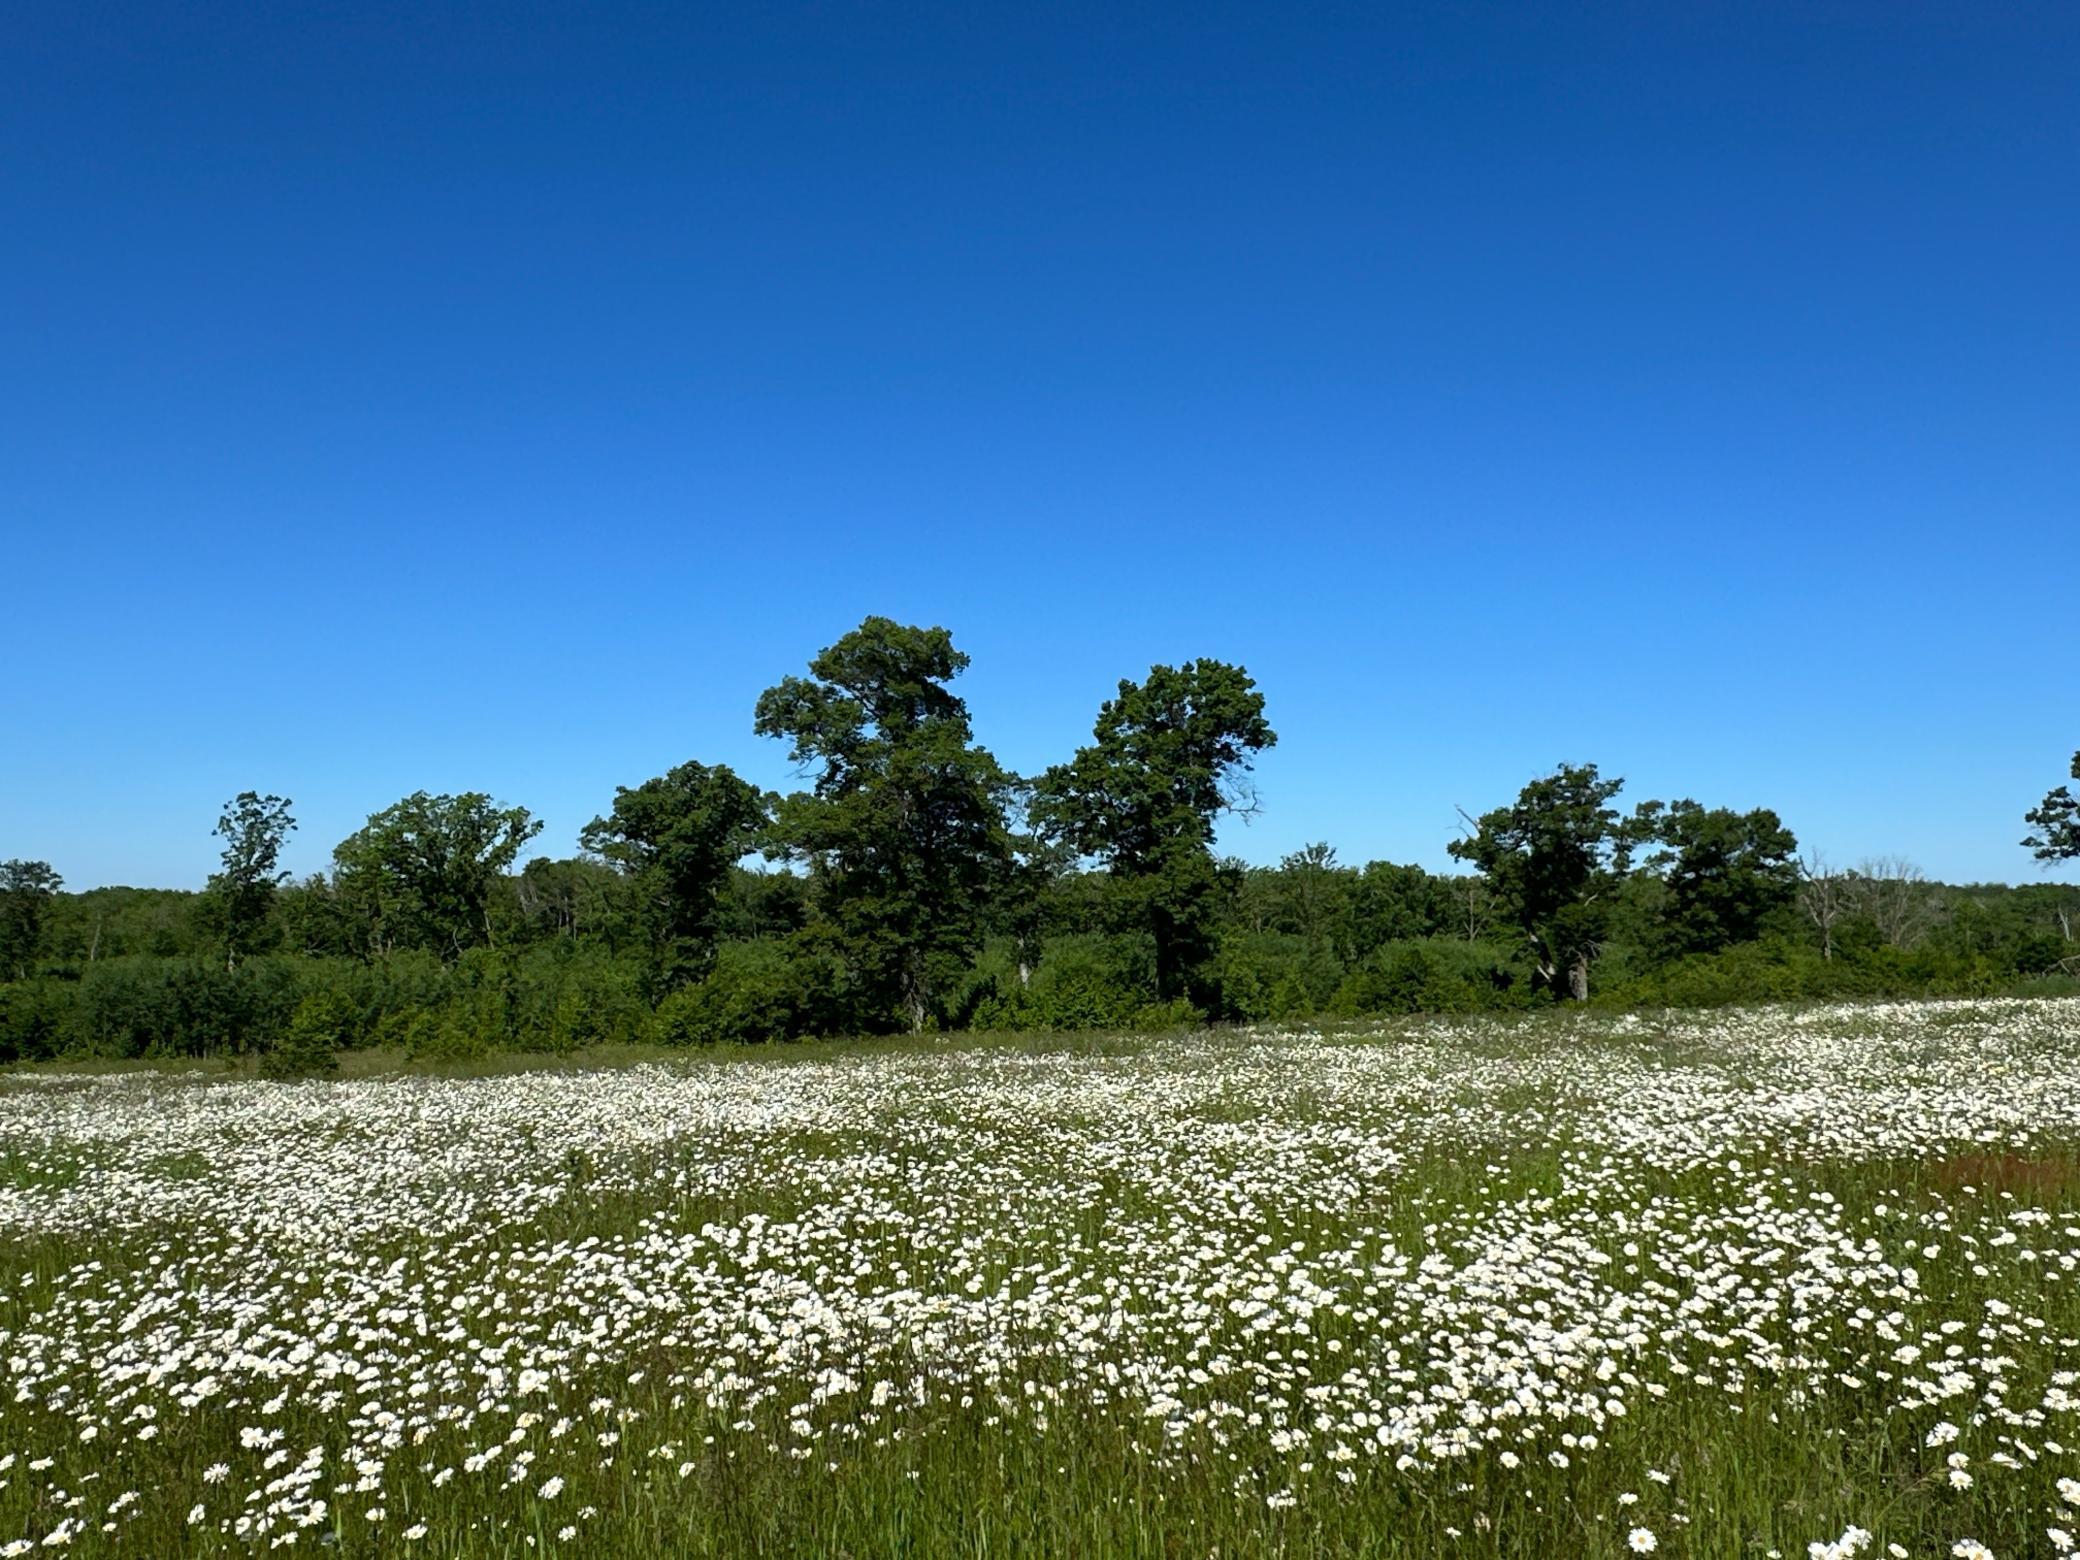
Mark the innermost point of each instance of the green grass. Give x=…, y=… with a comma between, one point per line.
x=1765, y=1469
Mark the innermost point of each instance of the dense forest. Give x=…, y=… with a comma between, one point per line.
x=918, y=884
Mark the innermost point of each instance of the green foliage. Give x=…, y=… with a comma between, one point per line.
x=910, y=900
x=309, y=1045
x=1260, y=975
x=553, y=999
x=905, y=833
x=1390, y=903
x=1555, y=858
x=759, y=903
x=1170, y=754
x=757, y=991
x=2055, y=824
x=161, y=1007
x=1434, y=975
x=678, y=838
x=26, y=890
x=577, y=900
x=1753, y=973
x=110, y=923
x=1084, y=981
x=1778, y=969
x=34, y=1020
x=314, y=917
x=240, y=895
x=1727, y=874
x=423, y=872
x=1155, y=1017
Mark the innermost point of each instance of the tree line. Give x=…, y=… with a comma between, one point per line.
x=916, y=883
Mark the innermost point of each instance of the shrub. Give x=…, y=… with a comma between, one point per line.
x=1432, y=975
x=308, y=1047
x=1154, y=1016
x=1769, y=971
x=1082, y=982
x=33, y=1015
x=765, y=989
x=1260, y=975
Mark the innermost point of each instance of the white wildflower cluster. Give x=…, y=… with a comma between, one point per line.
x=1430, y=1253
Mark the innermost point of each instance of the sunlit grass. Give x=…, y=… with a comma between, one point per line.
x=1724, y=1284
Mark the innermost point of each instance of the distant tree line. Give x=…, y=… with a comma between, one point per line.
x=916, y=883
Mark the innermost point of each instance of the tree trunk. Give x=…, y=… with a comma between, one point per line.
x=1166, y=960
x=1545, y=971
x=917, y=993
x=1578, y=979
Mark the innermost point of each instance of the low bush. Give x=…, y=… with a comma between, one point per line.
x=759, y=990
x=1434, y=975
x=309, y=1045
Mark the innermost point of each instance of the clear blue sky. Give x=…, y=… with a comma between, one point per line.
x=499, y=397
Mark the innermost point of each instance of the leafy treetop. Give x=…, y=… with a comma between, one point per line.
x=423, y=871
x=906, y=832
x=2055, y=824
x=678, y=836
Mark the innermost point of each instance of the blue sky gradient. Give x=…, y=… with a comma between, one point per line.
x=500, y=398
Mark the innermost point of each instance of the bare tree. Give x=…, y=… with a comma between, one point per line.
x=1475, y=903
x=1898, y=898
x=1824, y=894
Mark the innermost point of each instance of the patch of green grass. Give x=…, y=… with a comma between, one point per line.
x=26, y=1170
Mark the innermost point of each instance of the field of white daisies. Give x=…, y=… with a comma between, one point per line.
x=1774, y=1283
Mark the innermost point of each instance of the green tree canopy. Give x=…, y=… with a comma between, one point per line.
x=906, y=833
x=1726, y=873
x=2055, y=824
x=253, y=828
x=1555, y=858
x=26, y=889
x=677, y=837
x=1315, y=902
x=1391, y=902
x=423, y=871
x=577, y=899
x=1170, y=754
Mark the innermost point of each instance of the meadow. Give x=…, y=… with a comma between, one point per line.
x=1795, y=1282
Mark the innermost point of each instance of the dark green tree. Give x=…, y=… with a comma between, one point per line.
x=2055, y=824
x=1171, y=754
x=1032, y=904
x=757, y=902
x=315, y=919
x=577, y=899
x=424, y=871
x=677, y=838
x=1314, y=895
x=1390, y=903
x=308, y=1046
x=1555, y=859
x=26, y=890
x=906, y=832
x=239, y=897
x=1726, y=874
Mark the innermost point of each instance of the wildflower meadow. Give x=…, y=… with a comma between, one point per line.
x=1779, y=1282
